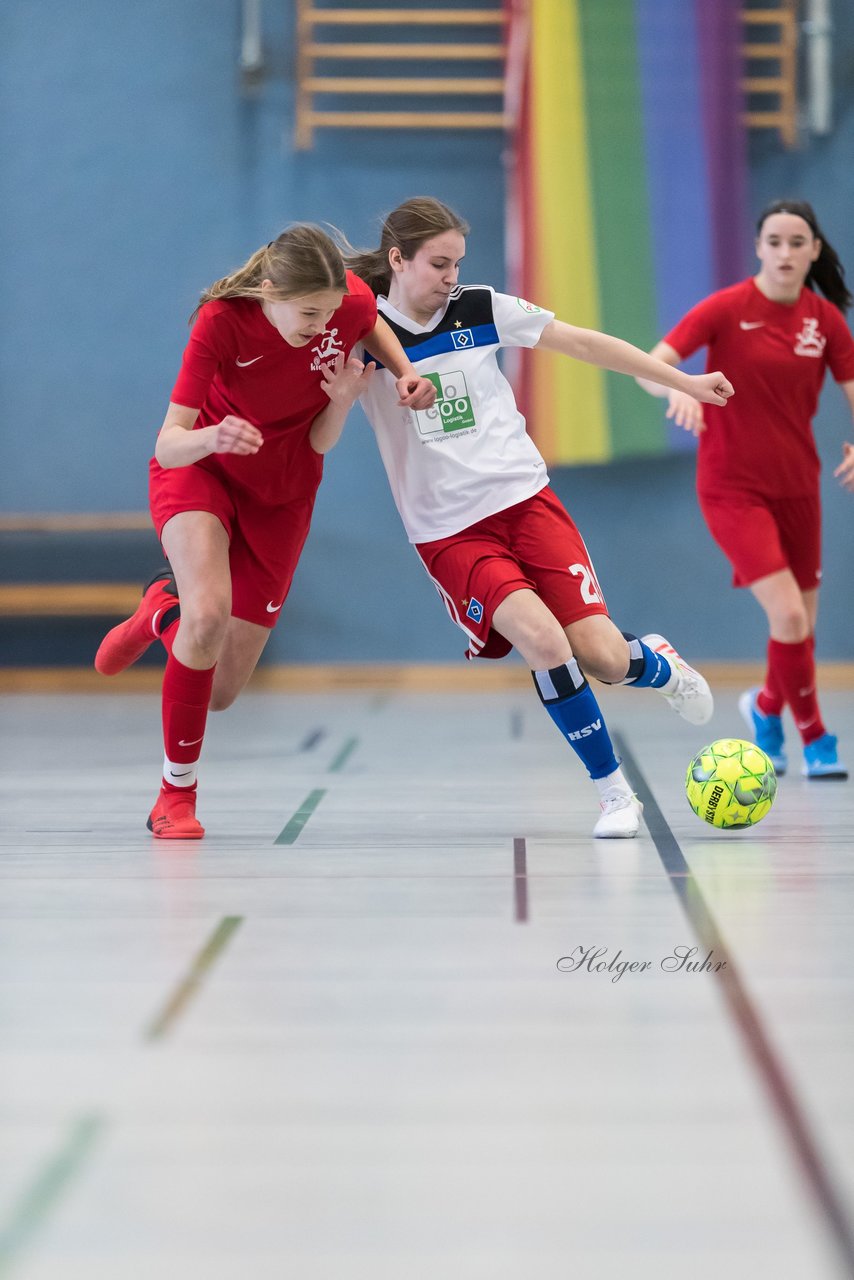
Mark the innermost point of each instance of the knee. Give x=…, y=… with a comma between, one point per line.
x=544, y=645
x=791, y=625
x=222, y=699
x=610, y=668
x=607, y=660
x=203, y=626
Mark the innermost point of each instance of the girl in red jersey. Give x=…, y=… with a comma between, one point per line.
x=757, y=464
x=265, y=384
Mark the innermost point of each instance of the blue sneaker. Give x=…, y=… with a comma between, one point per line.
x=767, y=731
x=821, y=759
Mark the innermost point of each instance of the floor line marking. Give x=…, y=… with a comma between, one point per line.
x=37, y=1200
x=292, y=829
x=520, y=879
x=768, y=1063
x=188, y=986
x=311, y=740
x=344, y=754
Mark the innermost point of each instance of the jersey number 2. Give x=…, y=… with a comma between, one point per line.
x=590, y=590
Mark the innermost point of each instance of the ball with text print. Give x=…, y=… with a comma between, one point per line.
x=731, y=784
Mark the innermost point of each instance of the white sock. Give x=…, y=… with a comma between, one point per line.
x=180, y=775
x=613, y=782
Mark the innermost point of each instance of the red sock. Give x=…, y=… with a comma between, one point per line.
x=793, y=668
x=168, y=634
x=770, y=698
x=186, y=696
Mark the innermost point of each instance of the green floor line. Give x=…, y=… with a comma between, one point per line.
x=344, y=754
x=201, y=966
x=39, y=1198
x=291, y=832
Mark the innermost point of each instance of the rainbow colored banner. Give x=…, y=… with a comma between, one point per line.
x=626, y=201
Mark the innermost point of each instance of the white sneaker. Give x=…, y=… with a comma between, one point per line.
x=620, y=818
x=688, y=692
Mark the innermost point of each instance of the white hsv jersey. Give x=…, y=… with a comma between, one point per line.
x=469, y=456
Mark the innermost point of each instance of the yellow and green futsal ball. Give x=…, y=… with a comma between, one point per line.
x=731, y=784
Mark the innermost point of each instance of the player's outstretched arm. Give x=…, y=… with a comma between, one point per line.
x=415, y=392
x=343, y=383
x=607, y=352
x=684, y=409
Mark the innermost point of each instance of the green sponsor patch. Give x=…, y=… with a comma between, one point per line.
x=452, y=410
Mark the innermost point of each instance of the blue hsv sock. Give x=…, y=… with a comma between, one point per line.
x=572, y=705
x=647, y=669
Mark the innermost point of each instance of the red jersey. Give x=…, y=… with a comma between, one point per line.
x=237, y=363
x=775, y=355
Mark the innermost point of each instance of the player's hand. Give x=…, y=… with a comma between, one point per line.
x=686, y=412
x=234, y=435
x=344, y=383
x=414, y=392
x=845, y=471
x=711, y=388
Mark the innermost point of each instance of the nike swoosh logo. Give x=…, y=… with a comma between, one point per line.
x=742, y=324
x=182, y=743
x=243, y=363
x=274, y=608
x=180, y=775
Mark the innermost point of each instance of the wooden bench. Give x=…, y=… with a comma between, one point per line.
x=71, y=599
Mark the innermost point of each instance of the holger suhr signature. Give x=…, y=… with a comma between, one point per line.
x=680, y=960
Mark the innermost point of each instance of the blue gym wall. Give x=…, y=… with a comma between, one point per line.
x=133, y=171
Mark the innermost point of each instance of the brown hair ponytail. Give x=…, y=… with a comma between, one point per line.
x=406, y=228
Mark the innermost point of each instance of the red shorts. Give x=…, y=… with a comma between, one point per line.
x=265, y=540
x=761, y=535
x=533, y=545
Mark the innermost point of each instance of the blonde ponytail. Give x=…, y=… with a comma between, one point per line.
x=304, y=259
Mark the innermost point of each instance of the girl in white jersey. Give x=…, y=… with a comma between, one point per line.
x=472, y=490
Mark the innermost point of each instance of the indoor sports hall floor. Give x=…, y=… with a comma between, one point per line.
x=333, y=1041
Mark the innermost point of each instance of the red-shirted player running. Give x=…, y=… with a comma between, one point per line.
x=266, y=382
x=757, y=464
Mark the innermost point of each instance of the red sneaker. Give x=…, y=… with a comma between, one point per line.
x=174, y=816
x=121, y=647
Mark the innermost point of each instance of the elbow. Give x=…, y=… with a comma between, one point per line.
x=162, y=454
x=319, y=445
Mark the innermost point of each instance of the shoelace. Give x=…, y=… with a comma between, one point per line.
x=612, y=803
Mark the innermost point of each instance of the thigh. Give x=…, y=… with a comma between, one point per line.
x=785, y=606
x=600, y=647
x=533, y=630
x=552, y=553
x=243, y=645
x=197, y=548
x=266, y=547
x=799, y=524
x=474, y=572
x=811, y=604
x=746, y=530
